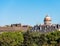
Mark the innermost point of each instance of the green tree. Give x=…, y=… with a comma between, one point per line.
x=11, y=39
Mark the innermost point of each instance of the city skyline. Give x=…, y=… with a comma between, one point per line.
x=28, y=12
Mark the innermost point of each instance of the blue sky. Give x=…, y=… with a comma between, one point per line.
x=29, y=12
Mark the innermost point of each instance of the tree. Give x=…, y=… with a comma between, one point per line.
x=11, y=39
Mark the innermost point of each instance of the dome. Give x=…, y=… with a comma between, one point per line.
x=47, y=18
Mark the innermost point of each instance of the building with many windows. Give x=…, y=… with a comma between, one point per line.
x=47, y=26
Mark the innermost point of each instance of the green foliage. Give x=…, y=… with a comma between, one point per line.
x=30, y=39
x=39, y=39
x=11, y=38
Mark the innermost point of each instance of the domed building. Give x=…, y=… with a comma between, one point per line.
x=47, y=20
x=47, y=26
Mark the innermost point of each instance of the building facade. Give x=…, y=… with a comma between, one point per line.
x=47, y=26
x=14, y=27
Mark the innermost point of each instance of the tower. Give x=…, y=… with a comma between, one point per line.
x=47, y=20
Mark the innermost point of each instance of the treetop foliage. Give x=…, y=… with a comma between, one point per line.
x=30, y=39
